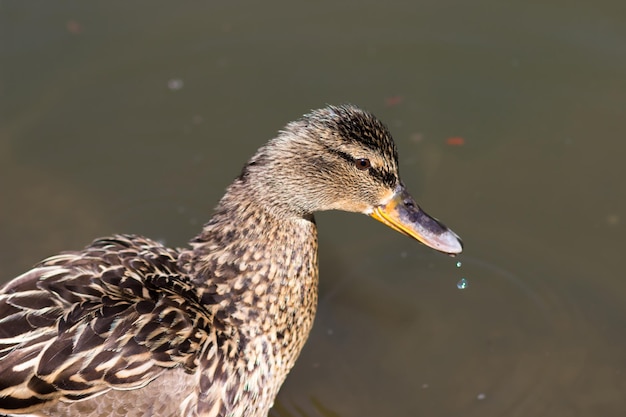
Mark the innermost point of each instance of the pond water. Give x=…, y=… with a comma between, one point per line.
x=509, y=118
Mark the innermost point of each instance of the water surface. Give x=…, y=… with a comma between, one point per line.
x=94, y=140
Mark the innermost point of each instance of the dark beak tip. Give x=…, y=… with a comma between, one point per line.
x=454, y=243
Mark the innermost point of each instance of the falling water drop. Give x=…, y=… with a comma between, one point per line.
x=462, y=284
x=458, y=264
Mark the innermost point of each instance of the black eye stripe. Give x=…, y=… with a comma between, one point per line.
x=380, y=175
x=386, y=177
x=341, y=154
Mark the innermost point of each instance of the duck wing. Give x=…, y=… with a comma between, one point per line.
x=112, y=316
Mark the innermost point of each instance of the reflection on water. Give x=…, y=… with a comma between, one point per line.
x=138, y=126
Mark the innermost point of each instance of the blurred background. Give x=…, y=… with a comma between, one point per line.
x=510, y=121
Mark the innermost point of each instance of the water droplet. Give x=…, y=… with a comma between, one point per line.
x=481, y=396
x=458, y=264
x=462, y=284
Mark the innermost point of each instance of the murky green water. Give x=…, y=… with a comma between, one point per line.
x=134, y=118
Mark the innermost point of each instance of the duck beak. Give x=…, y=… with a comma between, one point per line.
x=404, y=215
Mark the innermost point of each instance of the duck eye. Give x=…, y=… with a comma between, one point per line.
x=362, y=163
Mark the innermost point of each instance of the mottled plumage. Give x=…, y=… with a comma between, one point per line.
x=128, y=327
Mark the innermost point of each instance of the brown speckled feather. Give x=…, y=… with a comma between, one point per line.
x=114, y=315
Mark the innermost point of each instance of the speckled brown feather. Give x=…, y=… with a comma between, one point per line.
x=118, y=302
x=130, y=327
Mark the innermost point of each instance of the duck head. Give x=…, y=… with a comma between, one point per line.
x=342, y=158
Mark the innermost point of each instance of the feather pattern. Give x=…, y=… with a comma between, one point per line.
x=112, y=316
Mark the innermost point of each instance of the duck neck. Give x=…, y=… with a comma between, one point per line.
x=256, y=267
x=255, y=270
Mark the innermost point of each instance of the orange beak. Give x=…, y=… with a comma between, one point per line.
x=404, y=215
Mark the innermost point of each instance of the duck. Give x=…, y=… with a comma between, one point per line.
x=129, y=327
